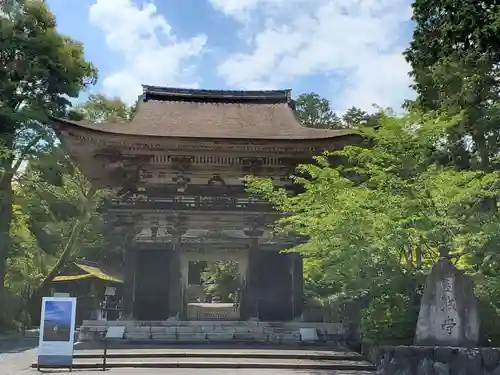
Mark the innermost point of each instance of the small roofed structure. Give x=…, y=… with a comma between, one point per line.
x=179, y=165
x=81, y=270
x=97, y=288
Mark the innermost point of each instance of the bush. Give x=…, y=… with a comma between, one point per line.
x=390, y=319
x=11, y=312
x=488, y=293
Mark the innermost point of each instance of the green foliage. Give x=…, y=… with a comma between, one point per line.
x=98, y=109
x=488, y=292
x=315, y=112
x=40, y=70
x=385, y=213
x=55, y=220
x=221, y=280
x=455, y=56
x=357, y=118
x=390, y=319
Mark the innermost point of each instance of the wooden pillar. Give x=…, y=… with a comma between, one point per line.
x=176, y=293
x=297, y=284
x=250, y=292
x=129, y=283
x=251, y=297
x=175, y=283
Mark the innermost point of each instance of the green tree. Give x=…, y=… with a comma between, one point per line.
x=375, y=222
x=69, y=202
x=39, y=70
x=315, y=112
x=98, y=109
x=221, y=279
x=455, y=59
x=357, y=118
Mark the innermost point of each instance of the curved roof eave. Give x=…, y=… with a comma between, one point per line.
x=57, y=121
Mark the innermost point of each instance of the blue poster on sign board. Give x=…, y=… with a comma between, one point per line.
x=57, y=331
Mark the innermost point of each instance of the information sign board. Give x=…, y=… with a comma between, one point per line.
x=57, y=331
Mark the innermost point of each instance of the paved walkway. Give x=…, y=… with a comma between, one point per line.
x=16, y=354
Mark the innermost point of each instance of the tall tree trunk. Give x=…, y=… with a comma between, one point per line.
x=6, y=200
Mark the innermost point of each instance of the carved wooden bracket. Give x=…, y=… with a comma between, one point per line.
x=255, y=226
x=181, y=182
x=216, y=179
x=179, y=226
x=181, y=162
x=252, y=165
x=123, y=169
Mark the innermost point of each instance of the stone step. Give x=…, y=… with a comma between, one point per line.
x=207, y=331
x=210, y=337
x=219, y=363
x=270, y=353
x=327, y=327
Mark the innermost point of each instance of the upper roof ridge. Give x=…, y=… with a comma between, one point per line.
x=221, y=96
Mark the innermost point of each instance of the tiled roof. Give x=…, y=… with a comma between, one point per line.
x=186, y=113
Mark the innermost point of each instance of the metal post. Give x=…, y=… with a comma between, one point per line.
x=105, y=354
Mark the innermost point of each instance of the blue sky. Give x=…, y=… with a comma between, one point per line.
x=349, y=51
x=58, y=311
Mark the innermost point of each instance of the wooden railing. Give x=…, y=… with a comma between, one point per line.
x=224, y=312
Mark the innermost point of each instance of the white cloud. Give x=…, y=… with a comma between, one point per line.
x=151, y=52
x=295, y=38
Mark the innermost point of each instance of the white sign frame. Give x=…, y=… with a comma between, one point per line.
x=57, y=332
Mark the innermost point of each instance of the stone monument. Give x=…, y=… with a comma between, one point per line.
x=449, y=311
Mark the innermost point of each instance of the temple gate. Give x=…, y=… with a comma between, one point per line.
x=178, y=164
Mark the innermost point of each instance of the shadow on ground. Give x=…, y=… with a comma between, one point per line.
x=58, y=371
x=17, y=344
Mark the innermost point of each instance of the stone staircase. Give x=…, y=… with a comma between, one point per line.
x=335, y=362
x=210, y=331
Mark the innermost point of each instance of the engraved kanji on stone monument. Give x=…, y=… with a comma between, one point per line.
x=448, y=325
x=449, y=309
x=448, y=284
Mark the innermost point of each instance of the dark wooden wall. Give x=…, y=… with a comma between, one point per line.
x=152, y=282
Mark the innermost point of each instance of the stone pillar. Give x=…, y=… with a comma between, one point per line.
x=129, y=283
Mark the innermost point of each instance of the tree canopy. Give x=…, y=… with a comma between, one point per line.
x=39, y=70
x=455, y=60
x=376, y=220
x=315, y=112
